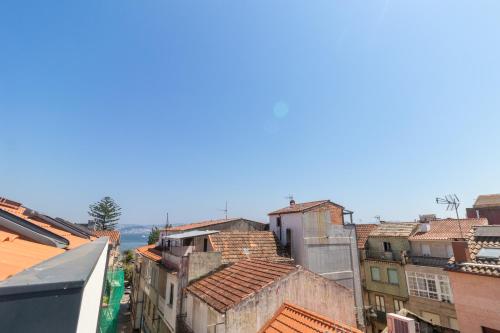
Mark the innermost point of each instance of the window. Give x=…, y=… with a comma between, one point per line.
x=375, y=271
x=392, y=274
x=171, y=296
x=387, y=247
x=205, y=245
x=278, y=221
x=429, y=286
x=489, y=330
x=426, y=250
x=380, y=303
x=398, y=305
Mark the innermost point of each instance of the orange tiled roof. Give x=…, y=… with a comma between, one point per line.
x=476, y=265
x=229, y=286
x=201, y=224
x=291, y=318
x=18, y=210
x=393, y=229
x=114, y=235
x=490, y=200
x=18, y=253
x=300, y=207
x=362, y=232
x=236, y=246
x=150, y=252
x=448, y=229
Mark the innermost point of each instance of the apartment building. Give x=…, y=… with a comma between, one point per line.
x=486, y=206
x=245, y=296
x=317, y=237
x=430, y=293
x=184, y=254
x=474, y=273
x=386, y=253
x=362, y=233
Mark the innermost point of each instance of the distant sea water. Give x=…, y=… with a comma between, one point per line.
x=132, y=241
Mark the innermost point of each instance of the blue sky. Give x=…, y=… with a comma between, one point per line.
x=178, y=106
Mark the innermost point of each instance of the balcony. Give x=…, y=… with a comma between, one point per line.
x=429, y=261
x=383, y=255
x=181, y=251
x=381, y=316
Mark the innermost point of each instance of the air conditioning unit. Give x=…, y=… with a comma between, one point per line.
x=400, y=324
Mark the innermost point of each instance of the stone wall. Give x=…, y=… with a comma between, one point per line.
x=302, y=288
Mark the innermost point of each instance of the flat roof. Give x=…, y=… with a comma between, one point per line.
x=192, y=233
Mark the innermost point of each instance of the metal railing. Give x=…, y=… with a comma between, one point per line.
x=383, y=255
x=428, y=261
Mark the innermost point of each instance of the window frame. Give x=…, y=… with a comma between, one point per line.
x=389, y=276
x=371, y=273
x=432, y=286
x=380, y=303
x=398, y=304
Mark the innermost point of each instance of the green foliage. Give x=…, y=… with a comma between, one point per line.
x=128, y=256
x=128, y=271
x=154, y=235
x=105, y=213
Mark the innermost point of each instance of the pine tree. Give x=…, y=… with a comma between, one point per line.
x=105, y=214
x=154, y=235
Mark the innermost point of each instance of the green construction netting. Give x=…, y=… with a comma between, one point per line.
x=108, y=320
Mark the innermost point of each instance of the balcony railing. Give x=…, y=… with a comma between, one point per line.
x=383, y=255
x=429, y=261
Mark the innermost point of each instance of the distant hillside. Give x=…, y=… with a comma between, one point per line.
x=136, y=229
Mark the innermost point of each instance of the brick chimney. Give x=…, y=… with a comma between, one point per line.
x=460, y=251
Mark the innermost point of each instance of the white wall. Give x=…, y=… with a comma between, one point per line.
x=91, y=299
x=293, y=222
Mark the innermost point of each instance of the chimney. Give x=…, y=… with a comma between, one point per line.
x=460, y=251
x=292, y=202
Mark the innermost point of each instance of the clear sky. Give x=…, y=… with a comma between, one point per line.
x=178, y=106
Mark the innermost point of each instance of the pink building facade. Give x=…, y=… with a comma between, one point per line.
x=477, y=302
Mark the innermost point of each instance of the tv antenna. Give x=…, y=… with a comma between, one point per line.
x=167, y=224
x=452, y=202
x=224, y=210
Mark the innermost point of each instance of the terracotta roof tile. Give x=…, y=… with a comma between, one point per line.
x=490, y=200
x=150, y=252
x=229, y=286
x=114, y=235
x=300, y=207
x=291, y=318
x=448, y=229
x=394, y=229
x=236, y=246
x=480, y=266
x=362, y=232
x=202, y=224
x=18, y=253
